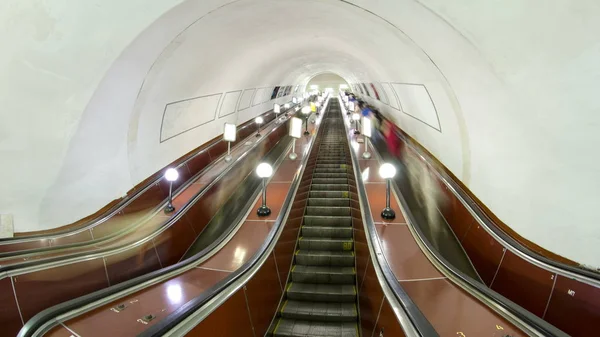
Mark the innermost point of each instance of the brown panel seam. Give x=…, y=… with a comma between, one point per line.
x=550, y=297
x=277, y=269
x=498, y=269
x=378, y=314
x=248, y=309
x=17, y=300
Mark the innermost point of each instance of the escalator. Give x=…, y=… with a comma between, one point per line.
x=321, y=296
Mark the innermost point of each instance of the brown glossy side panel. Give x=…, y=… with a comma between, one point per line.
x=10, y=320
x=524, y=283
x=132, y=263
x=174, y=242
x=284, y=248
x=451, y=310
x=387, y=323
x=24, y=245
x=159, y=300
x=230, y=319
x=85, y=235
x=455, y=213
x=58, y=331
x=40, y=290
x=217, y=150
x=361, y=251
x=574, y=307
x=198, y=163
x=484, y=252
x=263, y=292
x=404, y=257
x=146, y=201
x=370, y=297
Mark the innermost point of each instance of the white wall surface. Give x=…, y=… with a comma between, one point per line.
x=513, y=83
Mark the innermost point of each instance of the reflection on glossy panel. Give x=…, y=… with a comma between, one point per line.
x=456, y=215
x=10, y=321
x=574, y=307
x=198, y=163
x=216, y=324
x=147, y=200
x=39, y=290
x=263, y=292
x=524, y=283
x=403, y=255
x=484, y=252
x=132, y=263
x=387, y=323
x=159, y=300
x=370, y=297
x=173, y=242
x=451, y=310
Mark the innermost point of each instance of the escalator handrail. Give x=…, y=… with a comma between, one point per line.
x=34, y=265
x=507, y=241
x=129, y=198
x=45, y=319
x=410, y=316
x=120, y=232
x=229, y=285
x=492, y=298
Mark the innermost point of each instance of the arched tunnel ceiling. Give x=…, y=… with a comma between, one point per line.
x=513, y=83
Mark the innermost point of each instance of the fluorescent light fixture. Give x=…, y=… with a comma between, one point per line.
x=365, y=174
x=366, y=127
x=276, y=108
x=351, y=106
x=295, y=127
x=229, y=133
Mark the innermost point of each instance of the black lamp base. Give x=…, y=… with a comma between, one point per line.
x=169, y=208
x=388, y=213
x=263, y=211
x=258, y=135
x=356, y=132
x=306, y=133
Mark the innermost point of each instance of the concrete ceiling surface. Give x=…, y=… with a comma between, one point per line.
x=512, y=82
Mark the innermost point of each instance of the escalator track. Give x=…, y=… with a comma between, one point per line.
x=321, y=296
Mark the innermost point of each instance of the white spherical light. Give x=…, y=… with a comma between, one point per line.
x=305, y=109
x=264, y=170
x=171, y=174
x=387, y=171
x=355, y=116
x=258, y=120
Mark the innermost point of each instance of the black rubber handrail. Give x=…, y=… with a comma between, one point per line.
x=418, y=319
x=499, y=301
x=42, y=319
x=129, y=198
x=176, y=317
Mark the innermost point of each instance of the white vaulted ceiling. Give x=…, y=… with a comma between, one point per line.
x=84, y=85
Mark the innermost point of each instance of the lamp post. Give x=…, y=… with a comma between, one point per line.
x=356, y=118
x=366, y=131
x=171, y=175
x=264, y=171
x=258, y=120
x=306, y=112
x=296, y=133
x=229, y=135
x=387, y=171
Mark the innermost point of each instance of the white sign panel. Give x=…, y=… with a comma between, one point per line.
x=351, y=106
x=295, y=127
x=7, y=227
x=276, y=108
x=366, y=127
x=229, y=134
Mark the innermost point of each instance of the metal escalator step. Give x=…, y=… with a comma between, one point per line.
x=327, y=221
x=328, y=194
x=330, y=180
x=321, y=292
x=329, y=164
x=329, y=202
x=321, y=244
x=330, y=170
x=296, y=328
x=327, y=232
x=320, y=311
x=328, y=210
x=329, y=187
x=325, y=258
x=330, y=175
x=323, y=274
